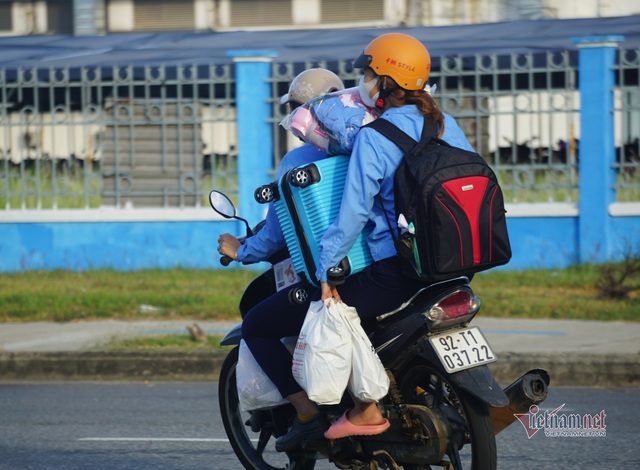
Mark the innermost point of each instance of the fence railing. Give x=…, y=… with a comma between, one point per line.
x=79, y=146
x=162, y=136
x=627, y=125
x=521, y=113
x=117, y=137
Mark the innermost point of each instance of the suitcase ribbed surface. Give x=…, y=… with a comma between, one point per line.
x=316, y=206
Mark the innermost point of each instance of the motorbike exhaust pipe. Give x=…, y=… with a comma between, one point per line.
x=530, y=389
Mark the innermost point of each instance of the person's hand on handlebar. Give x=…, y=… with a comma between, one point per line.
x=228, y=246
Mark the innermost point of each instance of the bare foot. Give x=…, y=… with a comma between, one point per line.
x=368, y=415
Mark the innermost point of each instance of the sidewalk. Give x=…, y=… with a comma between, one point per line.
x=577, y=353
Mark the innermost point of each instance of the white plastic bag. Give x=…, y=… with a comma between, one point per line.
x=322, y=358
x=255, y=388
x=369, y=381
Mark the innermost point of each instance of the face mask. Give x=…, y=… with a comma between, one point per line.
x=365, y=88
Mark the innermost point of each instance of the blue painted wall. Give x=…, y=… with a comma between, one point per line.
x=537, y=243
x=625, y=236
x=543, y=242
x=81, y=246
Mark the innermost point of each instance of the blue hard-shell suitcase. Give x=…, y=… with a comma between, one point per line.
x=307, y=200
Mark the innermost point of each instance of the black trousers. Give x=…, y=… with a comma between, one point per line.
x=378, y=289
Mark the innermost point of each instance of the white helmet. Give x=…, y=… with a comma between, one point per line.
x=311, y=84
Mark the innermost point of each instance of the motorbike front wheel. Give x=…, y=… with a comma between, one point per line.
x=425, y=385
x=255, y=450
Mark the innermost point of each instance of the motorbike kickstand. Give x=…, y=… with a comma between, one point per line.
x=455, y=463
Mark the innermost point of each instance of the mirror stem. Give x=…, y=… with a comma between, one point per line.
x=249, y=231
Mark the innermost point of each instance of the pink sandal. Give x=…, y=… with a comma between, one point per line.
x=344, y=428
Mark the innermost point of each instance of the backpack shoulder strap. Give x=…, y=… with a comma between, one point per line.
x=393, y=133
x=406, y=143
x=429, y=129
x=401, y=138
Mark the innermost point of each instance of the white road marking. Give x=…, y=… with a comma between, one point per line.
x=147, y=439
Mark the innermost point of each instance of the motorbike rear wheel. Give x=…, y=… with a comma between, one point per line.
x=426, y=385
x=255, y=450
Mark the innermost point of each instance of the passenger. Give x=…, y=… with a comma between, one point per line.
x=305, y=86
x=396, y=70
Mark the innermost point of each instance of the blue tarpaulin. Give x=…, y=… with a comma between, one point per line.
x=528, y=36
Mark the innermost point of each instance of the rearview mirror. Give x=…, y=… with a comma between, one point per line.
x=222, y=204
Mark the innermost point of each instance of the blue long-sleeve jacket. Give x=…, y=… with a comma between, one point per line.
x=270, y=239
x=371, y=168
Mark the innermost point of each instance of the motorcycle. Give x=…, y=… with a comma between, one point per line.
x=443, y=404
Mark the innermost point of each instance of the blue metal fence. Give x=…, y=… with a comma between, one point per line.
x=147, y=144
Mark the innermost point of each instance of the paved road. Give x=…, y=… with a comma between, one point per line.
x=176, y=426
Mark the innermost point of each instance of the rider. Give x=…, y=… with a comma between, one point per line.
x=396, y=71
x=305, y=86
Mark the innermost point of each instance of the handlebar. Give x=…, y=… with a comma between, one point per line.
x=226, y=260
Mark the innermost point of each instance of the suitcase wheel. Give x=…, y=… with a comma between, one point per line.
x=337, y=274
x=298, y=296
x=265, y=194
x=301, y=178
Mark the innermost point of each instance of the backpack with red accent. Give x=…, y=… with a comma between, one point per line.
x=449, y=207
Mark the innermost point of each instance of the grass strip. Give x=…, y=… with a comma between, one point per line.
x=215, y=294
x=104, y=294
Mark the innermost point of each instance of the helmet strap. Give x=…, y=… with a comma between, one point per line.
x=384, y=92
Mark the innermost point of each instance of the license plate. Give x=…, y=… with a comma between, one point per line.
x=462, y=349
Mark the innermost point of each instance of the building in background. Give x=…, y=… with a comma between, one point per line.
x=90, y=17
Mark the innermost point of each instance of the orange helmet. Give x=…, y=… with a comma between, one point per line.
x=399, y=56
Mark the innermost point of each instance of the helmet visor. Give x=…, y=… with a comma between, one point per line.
x=362, y=62
x=284, y=99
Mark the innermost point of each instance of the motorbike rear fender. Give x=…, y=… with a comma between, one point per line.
x=479, y=382
x=233, y=337
x=476, y=381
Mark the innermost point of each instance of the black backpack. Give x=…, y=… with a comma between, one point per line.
x=452, y=204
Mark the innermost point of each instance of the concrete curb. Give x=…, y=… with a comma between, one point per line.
x=611, y=371
x=575, y=370
x=59, y=366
